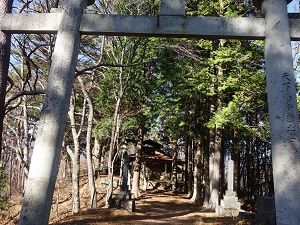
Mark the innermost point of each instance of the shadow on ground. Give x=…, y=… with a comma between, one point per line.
x=153, y=208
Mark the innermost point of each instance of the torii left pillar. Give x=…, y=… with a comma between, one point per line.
x=47, y=149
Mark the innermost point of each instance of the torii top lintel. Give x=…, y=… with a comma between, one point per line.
x=166, y=24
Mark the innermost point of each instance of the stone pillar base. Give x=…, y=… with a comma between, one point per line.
x=230, y=206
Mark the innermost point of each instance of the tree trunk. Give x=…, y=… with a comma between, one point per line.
x=75, y=179
x=196, y=198
x=215, y=146
x=112, y=156
x=186, y=164
x=26, y=142
x=26, y=138
x=93, y=201
x=75, y=183
x=222, y=169
x=206, y=173
x=114, y=137
x=103, y=157
x=113, y=133
x=97, y=153
x=248, y=167
x=5, y=7
x=75, y=159
x=190, y=169
x=145, y=178
x=137, y=165
x=214, y=168
x=174, y=166
x=236, y=158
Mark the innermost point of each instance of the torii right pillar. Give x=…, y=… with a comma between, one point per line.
x=283, y=112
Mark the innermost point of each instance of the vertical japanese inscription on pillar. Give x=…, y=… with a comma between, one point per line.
x=288, y=100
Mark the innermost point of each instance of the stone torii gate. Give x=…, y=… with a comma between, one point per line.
x=275, y=28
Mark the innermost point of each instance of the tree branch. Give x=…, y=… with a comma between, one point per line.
x=22, y=93
x=83, y=71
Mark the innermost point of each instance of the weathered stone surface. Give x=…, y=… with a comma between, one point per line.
x=283, y=113
x=230, y=175
x=230, y=205
x=125, y=169
x=190, y=26
x=230, y=212
x=128, y=204
x=116, y=201
x=47, y=148
x=125, y=200
x=266, y=213
x=230, y=193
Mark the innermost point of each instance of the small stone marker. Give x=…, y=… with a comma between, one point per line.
x=172, y=8
x=125, y=169
x=230, y=205
x=230, y=179
x=124, y=198
x=128, y=204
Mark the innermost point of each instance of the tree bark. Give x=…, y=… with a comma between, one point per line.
x=216, y=137
x=196, y=198
x=75, y=179
x=97, y=153
x=113, y=140
x=26, y=142
x=174, y=166
x=5, y=7
x=93, y=201
x=75, y=159
x=206, y=174
x=222, y=188
x=236, y=158
x=186, y=164
x=190, y=169
x=137, y=165
x=214, y=167
x=145, y=178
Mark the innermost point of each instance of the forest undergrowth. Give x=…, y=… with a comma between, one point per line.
x=153, y=206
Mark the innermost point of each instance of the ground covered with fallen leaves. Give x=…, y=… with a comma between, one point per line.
x=154, y=208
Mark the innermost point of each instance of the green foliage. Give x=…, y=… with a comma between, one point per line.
x=133, y=7
x=192, y=74
x=4, y=200
x=173, y=84
x=102, y=128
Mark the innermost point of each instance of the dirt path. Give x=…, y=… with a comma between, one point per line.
x=153, y=208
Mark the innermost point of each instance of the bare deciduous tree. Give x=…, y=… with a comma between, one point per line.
x=5, y=6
